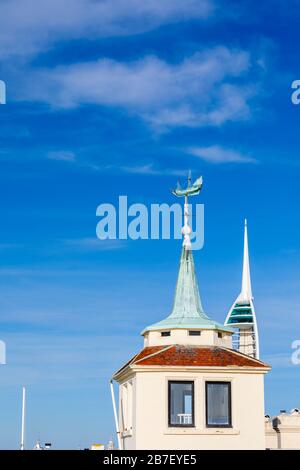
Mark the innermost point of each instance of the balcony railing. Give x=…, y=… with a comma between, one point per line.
x=184, y=418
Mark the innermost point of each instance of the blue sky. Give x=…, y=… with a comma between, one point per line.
x=121, y=98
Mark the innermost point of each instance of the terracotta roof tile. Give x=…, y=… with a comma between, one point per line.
x=197, y=356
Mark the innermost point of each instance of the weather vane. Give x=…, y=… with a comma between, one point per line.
x=190, y=190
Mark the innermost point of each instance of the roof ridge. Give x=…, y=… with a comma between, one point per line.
x=208, y=352
x=127, y=364
x=154, y=353
x=191, y=356
x=245, y=355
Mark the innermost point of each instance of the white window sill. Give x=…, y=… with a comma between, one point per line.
x=205, y=431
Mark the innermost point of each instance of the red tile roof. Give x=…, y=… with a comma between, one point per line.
x=193, y=356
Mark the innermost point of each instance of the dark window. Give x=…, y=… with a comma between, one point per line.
x=181, y=403
x=218, y=404
x=166, y=333
x=194, y=333
x=220, y=335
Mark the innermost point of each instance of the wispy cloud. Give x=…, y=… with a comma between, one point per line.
x=147, y=169
x=150, y=169
x=217, y=154
x=280, y=360
x=11, y=246
x=204, y=89
x=38, y=358
x=94, y=244
x=29, y=27
x=63, y=155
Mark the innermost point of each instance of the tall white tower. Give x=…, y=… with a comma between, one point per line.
x=242, y=316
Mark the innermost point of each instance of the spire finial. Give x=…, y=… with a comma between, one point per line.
x=187, y=311
x=246, y=292
x=190, y=190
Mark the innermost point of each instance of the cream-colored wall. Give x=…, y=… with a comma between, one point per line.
x=181, y=336
x=289, y=439
x=127, y=412
x=271, y=435
x=286, y=429
x=151, y=429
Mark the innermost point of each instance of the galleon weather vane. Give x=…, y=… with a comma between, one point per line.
x=190, y=190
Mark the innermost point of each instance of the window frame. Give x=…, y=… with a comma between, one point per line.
x=170, y=382
x=165, y=334
x=228, y=383
x=126, y=405
x=194, y=332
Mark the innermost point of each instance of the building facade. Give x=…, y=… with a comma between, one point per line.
x=283, y=431
x=188, y=388
x=191, y=397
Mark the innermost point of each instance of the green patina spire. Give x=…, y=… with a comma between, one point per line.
x=187, y=312
x=187, y=303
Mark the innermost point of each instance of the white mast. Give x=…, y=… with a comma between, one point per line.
x=242, y=313
x=23, y=417
x=115, y=414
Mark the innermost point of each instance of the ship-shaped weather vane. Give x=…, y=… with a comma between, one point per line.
x=190, y=190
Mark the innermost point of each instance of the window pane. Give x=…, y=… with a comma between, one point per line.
x=181, y=403
x=194, y=333
x=218, y=404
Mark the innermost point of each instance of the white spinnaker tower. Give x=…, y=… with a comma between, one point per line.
x=241, y=315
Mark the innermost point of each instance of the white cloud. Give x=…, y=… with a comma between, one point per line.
x=150, y=169
x=64, y=155
x=279, y=359
x=30, y=26
x=203, y=89
x=216, y=154
x=147, y=169
x=143, y=169
x=94, y=244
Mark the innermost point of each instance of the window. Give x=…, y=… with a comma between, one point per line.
x=220, y=335
x=126, y=405
x=166, y=333
x=181, y=403
x=218, y=404
x=194, y=333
